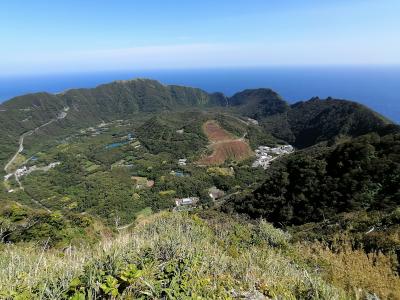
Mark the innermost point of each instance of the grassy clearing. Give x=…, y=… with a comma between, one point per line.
x=354, y=270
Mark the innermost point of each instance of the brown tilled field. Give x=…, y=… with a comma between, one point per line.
x=224, y=146
x=215, y=133
x=235, y=150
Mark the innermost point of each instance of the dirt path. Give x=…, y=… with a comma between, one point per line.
x=125, y=226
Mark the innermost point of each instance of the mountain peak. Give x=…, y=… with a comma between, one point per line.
x=258, y=103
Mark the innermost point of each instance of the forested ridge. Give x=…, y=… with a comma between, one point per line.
x=310, y=185
x=302, y=124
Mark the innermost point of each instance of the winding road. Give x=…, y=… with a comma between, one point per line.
x=20, y=149
x=60, y=116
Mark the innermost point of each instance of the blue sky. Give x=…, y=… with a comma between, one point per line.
x=44, y=36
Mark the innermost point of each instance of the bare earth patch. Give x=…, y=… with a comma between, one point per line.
x=224, y=145
x=215, y=133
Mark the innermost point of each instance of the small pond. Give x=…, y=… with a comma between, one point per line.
x=115, y=145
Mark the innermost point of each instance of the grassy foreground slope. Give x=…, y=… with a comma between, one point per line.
x=181, y=256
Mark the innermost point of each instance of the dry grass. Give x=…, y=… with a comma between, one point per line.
x=219, y=265
x=358, y=273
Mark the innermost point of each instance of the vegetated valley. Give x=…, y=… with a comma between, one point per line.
x=137, y=190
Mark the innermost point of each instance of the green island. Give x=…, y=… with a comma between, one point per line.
x=138, y=190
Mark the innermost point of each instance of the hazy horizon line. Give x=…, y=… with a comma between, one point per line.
x=205, y=68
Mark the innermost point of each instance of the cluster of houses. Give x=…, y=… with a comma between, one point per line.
x=25, y=171
x=265, y=155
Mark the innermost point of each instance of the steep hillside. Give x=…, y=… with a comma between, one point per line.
x=23, y=114
x=24, y=224
x=258, y=103
x=315, y=184
x=346, y=194
x=307, y=123
x=181, y=256
x=319, y=120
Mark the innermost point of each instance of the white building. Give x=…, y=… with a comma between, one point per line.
x=186, y=201
x=252, y=121
x=182, y=162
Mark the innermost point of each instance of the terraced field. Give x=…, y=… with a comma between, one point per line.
x=224, y=145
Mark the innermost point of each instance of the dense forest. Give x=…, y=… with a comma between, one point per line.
x=318, y=183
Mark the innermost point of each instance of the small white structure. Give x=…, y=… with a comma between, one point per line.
x=52, y=165
x=182, y=162
x=6, y=177
x=186, y=201
x=180, y=131
x=252, y=121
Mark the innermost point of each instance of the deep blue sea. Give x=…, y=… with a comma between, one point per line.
x=376, y=87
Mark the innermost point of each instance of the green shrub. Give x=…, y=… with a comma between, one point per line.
x=272, y=236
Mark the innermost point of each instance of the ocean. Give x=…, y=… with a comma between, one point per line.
x=376, y=87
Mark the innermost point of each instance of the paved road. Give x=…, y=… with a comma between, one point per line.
x=20, y=149
x=60, y=115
